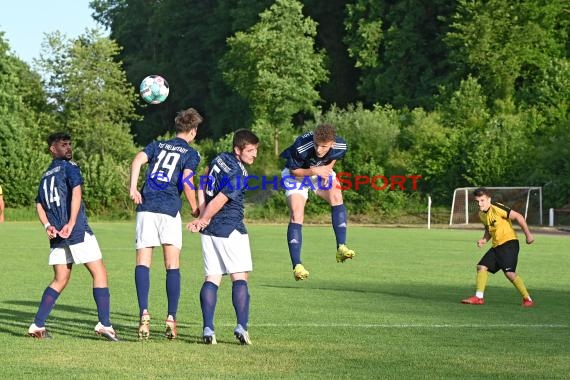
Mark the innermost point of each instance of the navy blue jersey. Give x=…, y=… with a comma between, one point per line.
x=54, y=194
x=302, y=153
x=225, y=176
x=164, y=180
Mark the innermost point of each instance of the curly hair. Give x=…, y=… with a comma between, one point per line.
x=324, y=133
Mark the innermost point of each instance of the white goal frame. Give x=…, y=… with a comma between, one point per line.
x=464, y=210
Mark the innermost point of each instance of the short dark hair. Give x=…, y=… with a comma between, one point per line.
x=58, y=136
x=187, y=120
x=481, y=191
x=242, y=137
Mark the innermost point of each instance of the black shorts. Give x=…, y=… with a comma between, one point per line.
x=504, y=257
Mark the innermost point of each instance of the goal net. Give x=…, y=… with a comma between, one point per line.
x=525, y=200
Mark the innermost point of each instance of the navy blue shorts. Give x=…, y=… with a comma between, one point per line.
x=504, y=257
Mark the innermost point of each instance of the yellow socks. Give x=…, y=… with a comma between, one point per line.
x=481, y=282
x=519, y=284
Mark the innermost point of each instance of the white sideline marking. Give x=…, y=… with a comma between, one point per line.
x=411, y=325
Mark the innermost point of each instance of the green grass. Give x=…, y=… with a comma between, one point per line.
x=391, y=313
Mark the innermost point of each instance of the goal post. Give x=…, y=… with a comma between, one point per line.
x=525, y=200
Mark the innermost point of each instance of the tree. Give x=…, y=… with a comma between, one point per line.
x=551, y=98
x=506, y=44
x=137, y=26
x=341, y=88
x=399, y=47
x=182, y=40
x=95, y=103
x=274, y=65
x=428, y=148
x=23, y=118
x=364, y=36
x=490, y=146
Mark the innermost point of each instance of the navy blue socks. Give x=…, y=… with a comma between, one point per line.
x=339, y=223
x=46, y=305
x=102, y=298
x=208, y=300
x=142, y=282
x=294, y=241
x=173, y=290
x=240, y=299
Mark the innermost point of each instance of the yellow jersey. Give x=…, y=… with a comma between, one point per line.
x=496, y=220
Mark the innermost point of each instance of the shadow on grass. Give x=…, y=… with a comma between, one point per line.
x=497, y=293
x=15, y=322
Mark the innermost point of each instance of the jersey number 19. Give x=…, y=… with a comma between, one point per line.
x=166, y=160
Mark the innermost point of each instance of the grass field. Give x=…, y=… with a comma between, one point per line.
x=391, y=313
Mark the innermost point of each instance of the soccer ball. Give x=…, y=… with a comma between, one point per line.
x=154, y=89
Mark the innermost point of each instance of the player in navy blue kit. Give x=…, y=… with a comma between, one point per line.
x=60, y=209
x=225, y=242
x=171, y=167
x=309, y=165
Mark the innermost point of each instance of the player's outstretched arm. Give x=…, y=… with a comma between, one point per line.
x=513, y=215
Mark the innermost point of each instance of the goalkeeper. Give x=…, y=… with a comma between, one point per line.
x=503, y=255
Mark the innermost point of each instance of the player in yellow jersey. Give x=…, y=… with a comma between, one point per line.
x=503, y=255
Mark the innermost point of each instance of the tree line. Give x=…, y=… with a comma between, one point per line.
x=463, y=93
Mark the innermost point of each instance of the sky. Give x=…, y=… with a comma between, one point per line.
x=25, y=22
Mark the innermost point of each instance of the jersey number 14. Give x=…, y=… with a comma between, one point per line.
x=51, y=195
